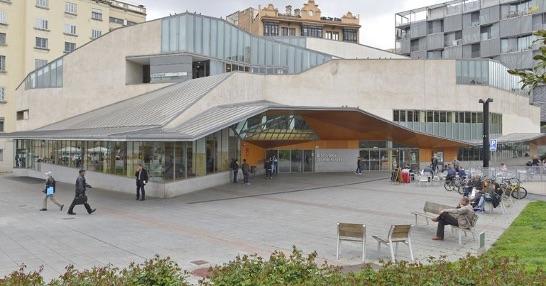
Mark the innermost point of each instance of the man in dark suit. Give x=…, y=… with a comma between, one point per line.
x=141, y=180
x=81, y=197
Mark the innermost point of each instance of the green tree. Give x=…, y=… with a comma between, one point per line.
x=537, y=76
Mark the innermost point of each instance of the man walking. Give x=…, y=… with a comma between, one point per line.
x=141, y=180
x=235, y=169
x=246, y=172
x=81, y=198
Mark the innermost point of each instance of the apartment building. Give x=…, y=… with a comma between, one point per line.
x=35, y=32
x=463, y=29
x=305, y=22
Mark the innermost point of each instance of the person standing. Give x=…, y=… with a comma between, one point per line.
x=49, y=192
x=235, y=169
x=358, y=165
x=267, y=168
x=141, y=176
x=80, y=197
x=246, y=172
x=275, y=165
x=434, y=165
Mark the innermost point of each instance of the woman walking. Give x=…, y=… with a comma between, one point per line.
x=49, y=192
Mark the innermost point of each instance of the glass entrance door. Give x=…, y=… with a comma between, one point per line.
x=308, y=161
x=296, y=160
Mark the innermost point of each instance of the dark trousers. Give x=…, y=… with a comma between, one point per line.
x=75, y=202
x=443, y=220
x=245, y=178
x=140, y=192
x=235, y=174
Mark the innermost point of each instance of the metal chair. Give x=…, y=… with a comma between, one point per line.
x=397, y=234
x=351, y=232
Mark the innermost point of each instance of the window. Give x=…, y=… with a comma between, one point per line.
x=311, y=31
x=41, y=43
x=271, y=29
x=42, y=3
x=525, y=43
x=2, y=150
x=396, y=115
x=350, y=35
x=70, y=29
x=96, y=14
x=130, y=23
x=486, y=33
x=22, y=115
x=331, y=35
x=116, y=20
x=69, y=47
x=71, y=8
x=284, y=31
x=3, y=63
x=2, y=95
x=95, y=34
x=2, y=39
x=3, y=18
x=475, y=50
x=41, y=24
x=39, y=63
x=475, y=19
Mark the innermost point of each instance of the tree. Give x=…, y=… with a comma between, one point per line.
x=537, y=76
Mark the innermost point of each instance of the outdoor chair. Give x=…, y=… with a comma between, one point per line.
x=397, y=234
x=425, y=178
x=351, y=232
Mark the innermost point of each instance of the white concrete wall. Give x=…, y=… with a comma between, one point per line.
x=376, y=86
x=93, y=76
x=7, y=161
x=346, y=50
x=335, y=160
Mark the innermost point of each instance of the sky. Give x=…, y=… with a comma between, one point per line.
x=376, y=16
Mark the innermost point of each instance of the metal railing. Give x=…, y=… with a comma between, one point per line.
x=523, y=173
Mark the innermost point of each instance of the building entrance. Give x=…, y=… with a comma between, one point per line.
x=293, y=161
x=384, y=159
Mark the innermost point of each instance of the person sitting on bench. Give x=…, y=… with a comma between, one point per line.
x=460, y=217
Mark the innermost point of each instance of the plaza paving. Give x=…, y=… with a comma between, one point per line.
x=217, y=224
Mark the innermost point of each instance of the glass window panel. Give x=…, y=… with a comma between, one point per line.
x=268, y=53
x=240, y=46
x=173, y=33
x=254, y=51
x=165, y=33
x=261, y=52
x=234, y=38
x=198, y=42
x=213, y=38
x=190, y=33
x=221, y=39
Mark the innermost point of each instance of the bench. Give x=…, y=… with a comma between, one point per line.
x=430, y=210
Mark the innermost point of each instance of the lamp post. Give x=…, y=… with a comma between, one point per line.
x=486, y=152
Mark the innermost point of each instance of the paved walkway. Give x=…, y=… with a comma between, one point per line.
x=217, y=224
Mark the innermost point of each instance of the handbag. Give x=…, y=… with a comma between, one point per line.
x=50, y=191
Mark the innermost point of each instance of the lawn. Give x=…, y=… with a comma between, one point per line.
x=526, y=237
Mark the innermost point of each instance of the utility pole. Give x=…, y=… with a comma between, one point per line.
x=486, y=152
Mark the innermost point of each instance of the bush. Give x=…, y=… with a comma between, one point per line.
x=299, y=270
x=156, y=271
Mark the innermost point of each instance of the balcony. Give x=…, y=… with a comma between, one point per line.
x=516, y=26
x=518, y=60
x=471, y=35
x=453, y=53
x=490, y=48
x=140, y=9
x=435, y=41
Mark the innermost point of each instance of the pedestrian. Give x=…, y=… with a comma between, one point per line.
x=235, y=168
x=275, y=165
x=141, y=176
x=246, y=172
x=49, y=192
x=358, y=165
x=434, y=165
x=267, y=168
x=80, y=197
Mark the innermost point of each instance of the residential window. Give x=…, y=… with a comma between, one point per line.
x=486, y=33
x=131, y=23
x=117, y=20
x=3, y=18
x=2, y=39
x=70, y=29
x=42, y=3
x=71, y=8
x=284, y=31
x=271, y=29
x=22, y=115
x=96, y=14
x=41, y=24
x=2, y=95
x=311, y=31
x=350, y=35
x=2, y=63
x=69, y=47
x=331, y=35
x=41, y=43
x=38, y=63
x=95, y=34
x=525, y=43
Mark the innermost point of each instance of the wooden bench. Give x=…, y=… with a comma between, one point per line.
x=430, y=210
x=351, y=232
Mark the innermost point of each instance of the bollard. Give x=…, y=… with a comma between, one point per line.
x=481, y=243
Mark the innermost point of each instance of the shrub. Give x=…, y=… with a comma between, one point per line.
x=299, y=270
x=23, y=278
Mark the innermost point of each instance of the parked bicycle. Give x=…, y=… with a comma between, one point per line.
x=454, y=184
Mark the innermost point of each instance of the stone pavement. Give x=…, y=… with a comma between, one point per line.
x=217, y=224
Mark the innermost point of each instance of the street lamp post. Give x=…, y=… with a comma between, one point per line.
x=486, y=152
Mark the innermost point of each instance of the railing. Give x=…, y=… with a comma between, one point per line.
x=523, y=173
x=139, y=9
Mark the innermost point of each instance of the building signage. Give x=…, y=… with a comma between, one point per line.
x=329, y=157
x=493, y=145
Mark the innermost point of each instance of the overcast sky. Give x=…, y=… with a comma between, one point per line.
x=376, y=16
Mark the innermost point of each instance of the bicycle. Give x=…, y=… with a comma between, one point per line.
x=454, y=184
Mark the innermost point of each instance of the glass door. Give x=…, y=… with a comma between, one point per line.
x=296, y=159
x=284, y=161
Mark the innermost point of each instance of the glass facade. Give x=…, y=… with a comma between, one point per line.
x=165, y=161
x=217, y=39
x=50, y=75
x=488, y=72
x=504, y=151
x=384, y=156
x=449, y=124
